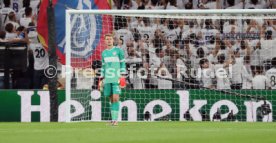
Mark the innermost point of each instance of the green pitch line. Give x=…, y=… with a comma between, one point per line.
x=138, y=132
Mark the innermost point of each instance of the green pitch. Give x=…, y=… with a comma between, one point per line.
x=139, y=132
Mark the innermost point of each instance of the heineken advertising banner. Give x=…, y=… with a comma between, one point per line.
x=175, y=105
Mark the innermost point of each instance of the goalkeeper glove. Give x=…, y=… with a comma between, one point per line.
x=122, y=82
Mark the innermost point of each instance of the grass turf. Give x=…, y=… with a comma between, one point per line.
x=139, y=132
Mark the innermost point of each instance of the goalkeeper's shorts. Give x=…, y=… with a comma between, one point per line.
x=111, y=88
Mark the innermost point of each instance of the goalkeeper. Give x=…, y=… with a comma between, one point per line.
x=112, y=75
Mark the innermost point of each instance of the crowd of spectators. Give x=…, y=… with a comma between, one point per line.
x=190, y=53
x=18, y=25
x=168, y=53
x=193, y=4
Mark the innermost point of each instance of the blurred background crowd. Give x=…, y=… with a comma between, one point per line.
x=166, y=53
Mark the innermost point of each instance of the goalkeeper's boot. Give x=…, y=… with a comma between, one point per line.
x=109, y=123
x=114, y=123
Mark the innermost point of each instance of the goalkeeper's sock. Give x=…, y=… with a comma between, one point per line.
x=115, y=110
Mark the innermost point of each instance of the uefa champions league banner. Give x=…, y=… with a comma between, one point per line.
x=193, y=105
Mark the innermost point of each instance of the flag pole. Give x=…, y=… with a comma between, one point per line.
x=52, y=62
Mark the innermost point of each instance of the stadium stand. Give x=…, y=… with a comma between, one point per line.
x=181, y=47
